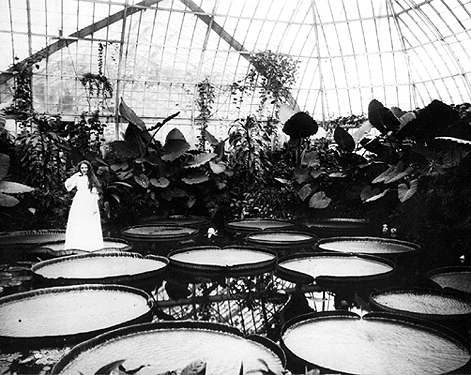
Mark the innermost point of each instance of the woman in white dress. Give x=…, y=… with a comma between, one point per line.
x=84, y=223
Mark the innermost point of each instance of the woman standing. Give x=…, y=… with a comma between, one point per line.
x=84, y=223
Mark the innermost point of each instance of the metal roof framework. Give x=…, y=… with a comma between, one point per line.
x=403, y=53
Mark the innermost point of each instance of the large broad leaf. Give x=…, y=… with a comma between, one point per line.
x=429, y=122
x=283, y=181
x=142, y=180
x=337, y=175
x=210, y=138
x=169, y=194
x=7, y=200
x=119, y=167
x=198, y=160
x=310, y=159
x=344, y=139
x=398, y=168
x=316, y=173
x=360, y=132
x=126, y=149
x=116, y=184
x=396, y=177
x=300, y=125
x=195, y=179
x=8, y=187
x=190, y=203
x=124, y=175
x=405, y=191
x=130, y=115
x=305, y=192
x=175, y=145
x=369, y=194
x=220, y=184
x=4, y=165
x=383, y=175
x=301, y=175
x=161, y=182
x=382, y=118
x=319, y=200
x=217, y=168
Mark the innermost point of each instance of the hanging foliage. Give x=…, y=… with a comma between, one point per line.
x=204, y=102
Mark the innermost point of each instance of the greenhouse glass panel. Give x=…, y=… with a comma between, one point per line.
x=154, y=53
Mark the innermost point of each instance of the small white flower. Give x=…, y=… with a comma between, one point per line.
x=211, y=232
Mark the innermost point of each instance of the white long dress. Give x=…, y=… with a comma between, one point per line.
x=84, y=224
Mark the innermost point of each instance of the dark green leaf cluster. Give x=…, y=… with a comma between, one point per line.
x=170, y=177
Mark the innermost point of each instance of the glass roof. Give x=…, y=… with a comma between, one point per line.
x=154, y=52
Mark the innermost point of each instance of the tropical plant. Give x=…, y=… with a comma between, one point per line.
x=427, y=156
x=277, y=73
x=40, y=151
x=170, y=177
x=6, y=139
x=9, y=189
x=85, y=137
x=22, y=104
x=332, y=174
x=410, y=176
x=259, y=183
x=270, y=77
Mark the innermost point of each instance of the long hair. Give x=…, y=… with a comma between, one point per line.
x=92, y=178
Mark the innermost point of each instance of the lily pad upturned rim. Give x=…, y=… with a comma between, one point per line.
x=202, y=269
x=449, y=270
x=45, y=341
x=336, y=222
x=179, y=233
x=178, y=220
x=44, y=248
x=411, y=246
x=237, y=225
x=327, y=280
x=310, y=238
x=416, y=290
x=401, y=319
x=121, y=279
x=21, y=237
x=120, y=334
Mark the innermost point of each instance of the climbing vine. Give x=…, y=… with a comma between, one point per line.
x=97, y=84
x=204, y=101
x=277, y=73
x=272, y=76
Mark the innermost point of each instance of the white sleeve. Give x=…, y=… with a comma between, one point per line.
x=71, y=182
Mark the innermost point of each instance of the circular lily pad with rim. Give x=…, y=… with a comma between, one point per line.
x=161, y=347
x=377, y=343
x=126, y=268
x=69, y=314
x=228, y=261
